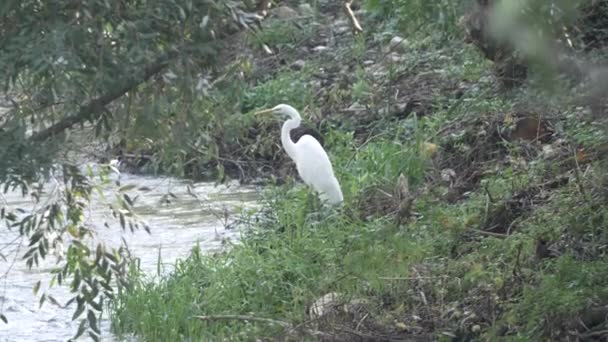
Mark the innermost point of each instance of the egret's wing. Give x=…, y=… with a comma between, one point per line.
x=315, y=168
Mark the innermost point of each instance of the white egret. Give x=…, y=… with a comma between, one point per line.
x=311, y=160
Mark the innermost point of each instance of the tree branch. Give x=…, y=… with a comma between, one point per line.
x=95, y=107
x=285, y=325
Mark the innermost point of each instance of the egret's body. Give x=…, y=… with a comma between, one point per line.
x=312, y=162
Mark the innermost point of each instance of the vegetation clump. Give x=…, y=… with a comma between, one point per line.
x=471, y=212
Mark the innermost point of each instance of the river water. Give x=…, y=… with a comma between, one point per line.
x=175, y=228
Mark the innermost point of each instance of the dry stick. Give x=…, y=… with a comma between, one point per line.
x=351, y=16
x=577, y=174
x=413, y=278
x=483, y=232
x=361, y=321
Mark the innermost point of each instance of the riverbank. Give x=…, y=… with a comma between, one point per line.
x=471, y=212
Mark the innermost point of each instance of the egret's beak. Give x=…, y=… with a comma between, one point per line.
x=265, y=111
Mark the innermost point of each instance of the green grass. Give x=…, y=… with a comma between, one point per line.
x=442, y=265
x=280, y=266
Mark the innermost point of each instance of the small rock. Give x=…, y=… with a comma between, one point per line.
x=400, y=108
x=399, y=44
x=341, y=29
x=306, y=9
x=368, y=62
x=341, y=26
x=285, y=12
x=298, y=65
x=319, y=48
x=356, y=107
x=395, y=57
x=340, y=22
x=549, y=152
x=476, y=328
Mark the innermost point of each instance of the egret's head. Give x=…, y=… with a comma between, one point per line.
x=282, y=110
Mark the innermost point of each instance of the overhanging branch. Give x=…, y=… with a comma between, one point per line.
x=95, y=107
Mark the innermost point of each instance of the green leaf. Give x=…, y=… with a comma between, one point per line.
x=3, y=318
x=35, y=238
x=81, y=328
x=55, y=302
x=42, y=300
x=79, y=310
x=128, y=199
x=127, y=187
x=92, y=321
x=97, y=306
x=37, y=287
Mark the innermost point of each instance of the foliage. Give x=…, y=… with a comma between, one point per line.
x=107, y=66
x=286, y=87
x=469, y=259
x=276, y=271
x=279, y=34
x=411, y=15
x=567, y=289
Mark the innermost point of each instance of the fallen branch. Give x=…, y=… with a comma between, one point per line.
x=285, y=325
x=351, y=16
x=483, y=232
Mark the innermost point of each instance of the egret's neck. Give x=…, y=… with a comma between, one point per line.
x=290, y=146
